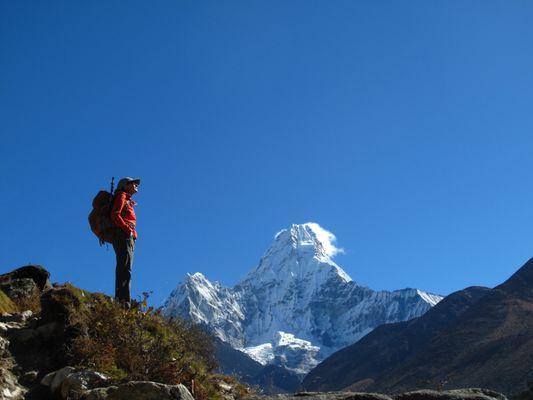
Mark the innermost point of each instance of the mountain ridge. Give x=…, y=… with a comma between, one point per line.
x=488, y=344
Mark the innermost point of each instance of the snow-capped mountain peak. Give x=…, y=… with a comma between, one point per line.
x=303, y=251
x=311, y=237
x=297, y=306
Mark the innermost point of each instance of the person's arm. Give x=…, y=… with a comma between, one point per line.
x=116, y=217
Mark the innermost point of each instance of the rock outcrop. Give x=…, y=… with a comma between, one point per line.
x=10, y=387
x=25, y=281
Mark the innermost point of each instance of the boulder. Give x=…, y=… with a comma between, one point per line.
x=25, y=282
x=38, y=274
x=54, y=379
x=76, y=383
x=139, y=390
x=19, y=288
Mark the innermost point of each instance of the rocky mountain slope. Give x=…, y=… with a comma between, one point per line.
x=297, y=307
x=53, y=351
x=475, y=337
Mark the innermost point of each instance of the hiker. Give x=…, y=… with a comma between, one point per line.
x=123, y=216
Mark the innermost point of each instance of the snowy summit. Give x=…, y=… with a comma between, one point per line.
x=297, y=306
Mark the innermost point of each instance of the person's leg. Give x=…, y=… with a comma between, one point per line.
x=126, y=276
x=123, y=247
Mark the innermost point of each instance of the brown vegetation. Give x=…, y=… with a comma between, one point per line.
x=140, y=344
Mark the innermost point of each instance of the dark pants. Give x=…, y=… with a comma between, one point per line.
x=123, y=246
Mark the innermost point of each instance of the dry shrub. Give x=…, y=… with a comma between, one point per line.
x=239, y=390
x=140, y=344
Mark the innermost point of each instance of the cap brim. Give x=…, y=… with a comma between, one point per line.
x=136, y=180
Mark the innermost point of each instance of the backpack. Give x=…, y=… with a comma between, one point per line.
x=100, y=216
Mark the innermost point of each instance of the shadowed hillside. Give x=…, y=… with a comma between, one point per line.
x=474, y=337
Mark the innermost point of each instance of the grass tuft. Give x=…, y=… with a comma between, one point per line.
x=6, y=305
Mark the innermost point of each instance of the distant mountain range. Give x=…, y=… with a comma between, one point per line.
x=477, y=337
x=297, y=306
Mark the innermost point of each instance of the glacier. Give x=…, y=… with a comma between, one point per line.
x=297, y=306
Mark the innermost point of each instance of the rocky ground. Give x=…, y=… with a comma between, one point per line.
x=33, y=346
x=463, y=394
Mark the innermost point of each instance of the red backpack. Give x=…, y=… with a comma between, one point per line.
x=100, y=216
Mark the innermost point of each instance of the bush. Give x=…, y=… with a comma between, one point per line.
x=140, y=344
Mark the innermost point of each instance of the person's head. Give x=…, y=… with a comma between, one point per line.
x=129, y=185
x=132, y=187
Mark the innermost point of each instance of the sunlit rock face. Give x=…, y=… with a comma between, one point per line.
x=297, y=306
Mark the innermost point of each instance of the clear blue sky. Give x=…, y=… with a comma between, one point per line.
x=404, y=127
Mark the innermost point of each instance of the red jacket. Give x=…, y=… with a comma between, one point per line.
x=122, y=213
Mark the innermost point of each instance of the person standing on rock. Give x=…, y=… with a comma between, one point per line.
x=123, y=216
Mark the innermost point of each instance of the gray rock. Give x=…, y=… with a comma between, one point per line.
x=140, y=390
x=9, y=386
x=54, y=379
x=76, y=383
x=11, y=393
x=39, y=275
x=19, y=288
